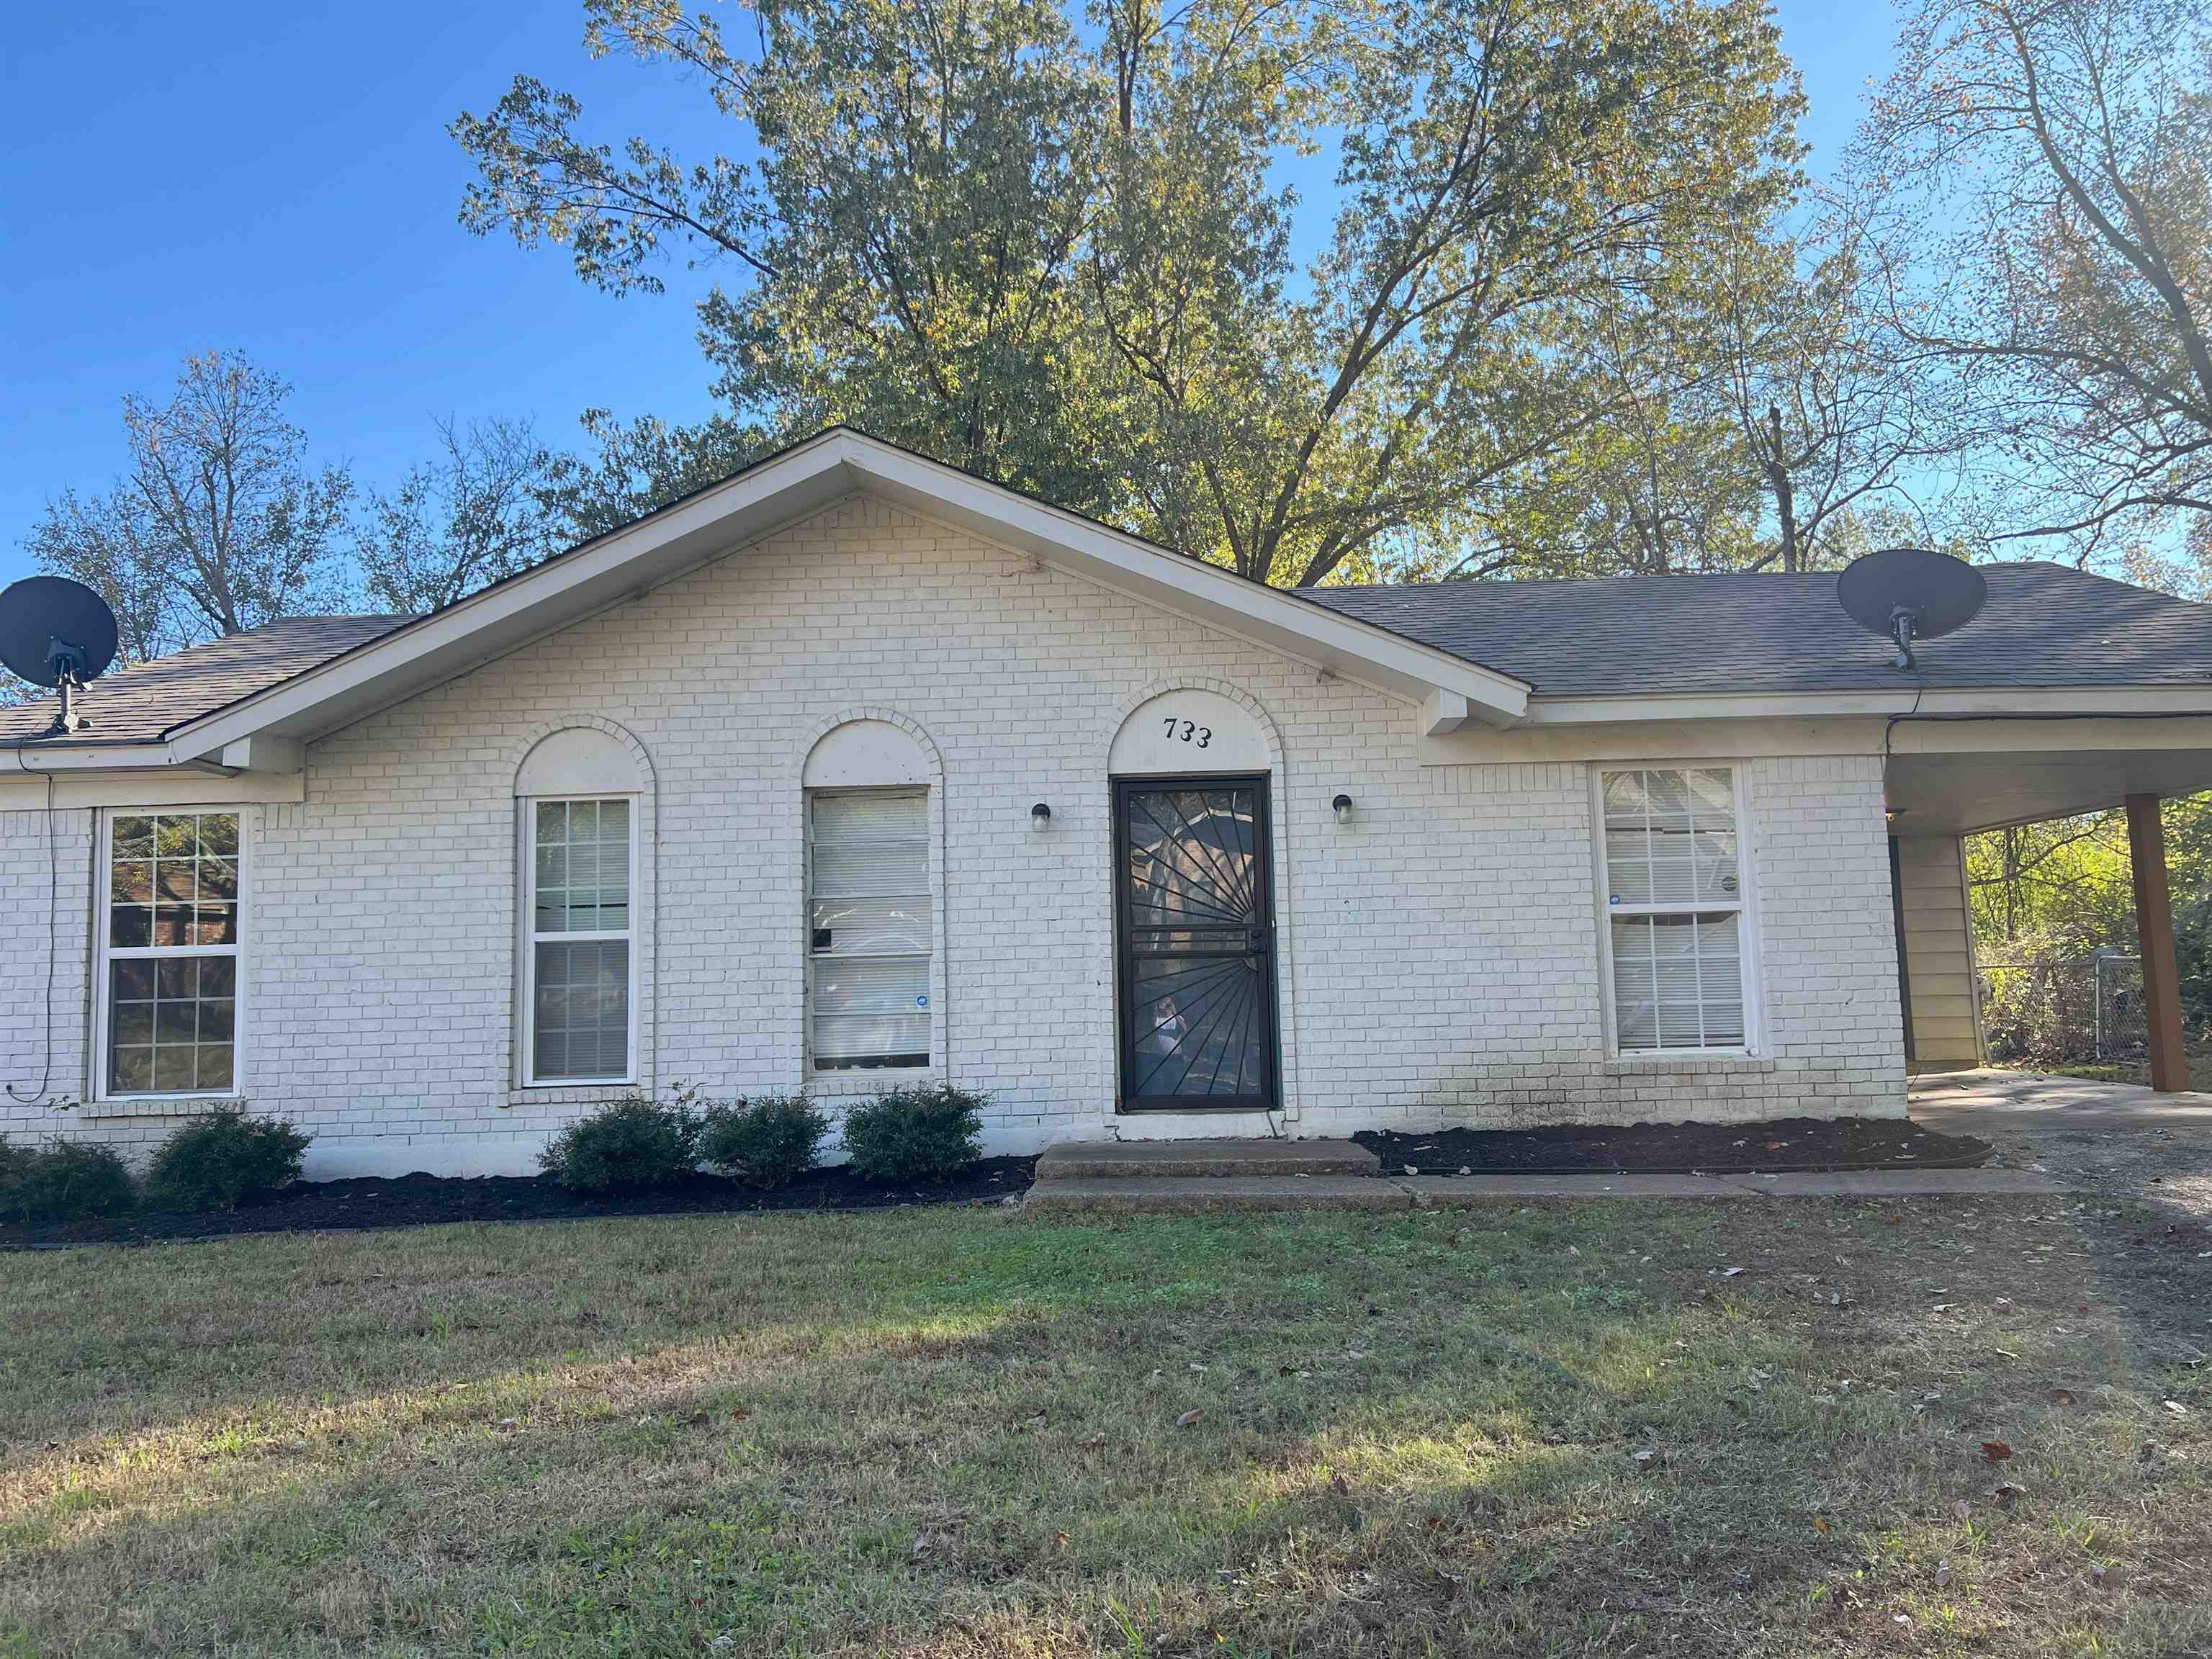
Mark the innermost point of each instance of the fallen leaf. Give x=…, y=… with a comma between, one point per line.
x=1996, y=1450
x=1061, y=1538
x=1189, y=1418
x=2008, y=1494
x=1649, y=1458
x=2061, y=1397
x=1819, y=1523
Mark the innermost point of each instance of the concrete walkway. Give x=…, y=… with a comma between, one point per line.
x=1221, y=1177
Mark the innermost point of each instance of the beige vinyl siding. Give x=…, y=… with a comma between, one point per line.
x=1939, y=953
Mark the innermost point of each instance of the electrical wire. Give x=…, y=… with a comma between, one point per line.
x=53, y=936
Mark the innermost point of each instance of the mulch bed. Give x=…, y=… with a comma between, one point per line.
x=417, y=1200
x=1773, y=1147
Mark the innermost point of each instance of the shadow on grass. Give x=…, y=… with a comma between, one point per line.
x=975, y=1435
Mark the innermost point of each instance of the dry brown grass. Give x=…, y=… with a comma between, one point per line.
x=955, y=1433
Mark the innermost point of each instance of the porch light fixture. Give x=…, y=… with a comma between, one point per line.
x=1342, y=805
x=1040, y=818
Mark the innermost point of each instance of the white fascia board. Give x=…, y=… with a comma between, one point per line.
x=782, y=490
x=165, y=785
x=2058, y=702
x=2089, y=734
x=509, y=614
x=41, y=756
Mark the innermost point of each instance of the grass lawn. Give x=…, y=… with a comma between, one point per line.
x=1567, y=1430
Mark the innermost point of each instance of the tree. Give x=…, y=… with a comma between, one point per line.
x=218, y=525
x=2042, y=171
x=639, y=468
x=1830, y=421
x=474, y=515
x=1059, y=256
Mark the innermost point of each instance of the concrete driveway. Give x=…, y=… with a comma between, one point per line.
x=1991, y=1102
x=2117, y=1139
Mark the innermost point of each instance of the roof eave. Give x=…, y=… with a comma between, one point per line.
x=791, y=486
x=1906, y=700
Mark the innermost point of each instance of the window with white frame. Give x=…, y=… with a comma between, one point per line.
x=1675, y=908
x=170, y=945
x=868, y=912
x=579, y=994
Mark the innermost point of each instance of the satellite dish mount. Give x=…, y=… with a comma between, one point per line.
x=1904, y=623
x=66, y=661
x=58, y=634
x=1908, y=593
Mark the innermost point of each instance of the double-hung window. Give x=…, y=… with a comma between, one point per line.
x=169, y=942
x=868, y=911
x=1675, y=919
x=580, y=967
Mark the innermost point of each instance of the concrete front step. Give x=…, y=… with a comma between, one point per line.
x=1147, y=1160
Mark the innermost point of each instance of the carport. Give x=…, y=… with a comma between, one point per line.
x=1952, y=774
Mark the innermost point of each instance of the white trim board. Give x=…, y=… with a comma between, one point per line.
x=794, y=485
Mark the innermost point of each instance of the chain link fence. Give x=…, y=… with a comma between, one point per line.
x=2071, y=1010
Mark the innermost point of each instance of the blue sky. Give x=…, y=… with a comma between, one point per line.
x=281, y=183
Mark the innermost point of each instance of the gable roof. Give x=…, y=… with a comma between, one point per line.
x=782, y=489
x=1464, y=651
x=2044, y=625
x=140, y=704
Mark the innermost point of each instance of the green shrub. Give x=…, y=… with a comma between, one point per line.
x=635, y=1141
x=64, y=1181
x=924, y=1132
x=218, y=1158
x=768, y=1142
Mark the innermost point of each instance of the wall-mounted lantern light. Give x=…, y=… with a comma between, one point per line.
x=1342, y=805
x=1040, y=818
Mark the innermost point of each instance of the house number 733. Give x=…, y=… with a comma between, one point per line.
x=1191, y=730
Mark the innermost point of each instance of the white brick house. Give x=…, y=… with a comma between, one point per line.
x=742, y=795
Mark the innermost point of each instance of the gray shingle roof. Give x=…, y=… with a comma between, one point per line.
x=141, y=704
x=2044, y=625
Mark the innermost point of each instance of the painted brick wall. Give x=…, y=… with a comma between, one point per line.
x=1438, y=955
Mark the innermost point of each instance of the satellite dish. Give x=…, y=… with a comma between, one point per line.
x=1908, y=593
x=58, y=633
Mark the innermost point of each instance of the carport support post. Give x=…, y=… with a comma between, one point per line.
x=2169, y=1067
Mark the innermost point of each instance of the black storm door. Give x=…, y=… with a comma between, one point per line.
x=1197, y=944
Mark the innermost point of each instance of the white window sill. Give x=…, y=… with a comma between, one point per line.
x=1690, y=1062
x=155, y=1105
x=571, y=1094
x=846, y=1083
